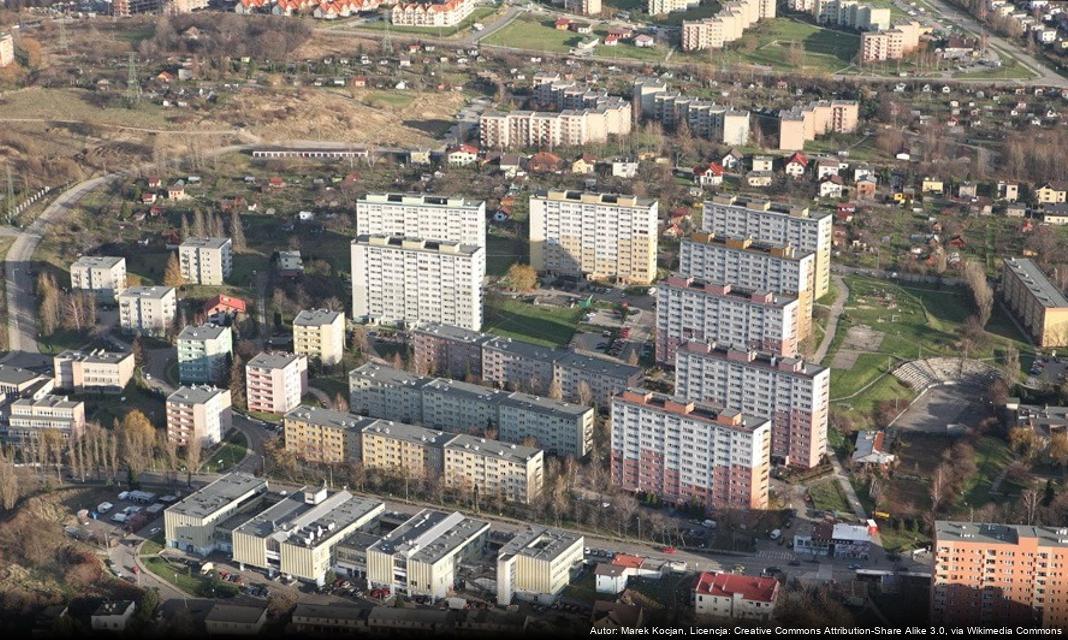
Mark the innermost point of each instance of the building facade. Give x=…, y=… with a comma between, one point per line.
x=728, y=25
x=319, y=334
x=430, y=14
x=206, y=260
x=96, y=370
x=148, y=311
x=453, y=219
x=735, y=596
x=567, y=128
x=31, y=421
x=202, y=414
x=190, y=525
x=1036, y=302
x=275, y=382
x=537, y=563
x=104, y=275
x=324, y=436
x=802, y=124
x=204, y=354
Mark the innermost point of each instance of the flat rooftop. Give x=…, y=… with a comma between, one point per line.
x=96, y=356
x=589, y=197
x=315, y=317
x=401, y=243
x=273, y=360
x=408, y=432
x=757, y=359
x=198, y=394
x=206, y=243
x=766, y=207
x=450, y=332
x=429, y=536
x=386, y=375
x=218, y=495
x=418, y=200
x=1044, y=291
x=540, y=543
x=999, y=534
x=202, y=332
x=746, y=245
x=310, y=517
x=156, y=293
x=328, y=417
x=515, y=453
x=98, y=262
x=16, y=375
x=726, y=290
x=700, y=411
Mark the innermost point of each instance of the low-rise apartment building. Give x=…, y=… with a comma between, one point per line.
x=597, y=235
x=592, y=124
x=417, y=215
x=190, y=525
x=494, y=469
x=1036, y=302
x=444, y=350
x=95, y=370
x=296, y=536
x=802, y=124
x=661, y=7
x=851, y=14
x=201, y=414
x=206, y=260
x=702, y=118
x=892, y=44
x=778, y=224
x=402, y=280
x=324, y=436
x=536, y=564
x=583, y=7
x=750, y=264
x=691, y=309
x=148, y=311
x=104, y=275
x=690, y=452
x=999, y=575
x=792, y=393
x=735, y=596
x=30, y=421
x=275, y=382
x=388, y=393
x=204, y=354
x=319, y=334
x=404, y=449
x=728, y=25
x=420, y=557
x=431, y=14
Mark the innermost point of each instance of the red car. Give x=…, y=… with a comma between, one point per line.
x=668, y=550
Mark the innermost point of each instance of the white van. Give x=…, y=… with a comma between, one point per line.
x=119, y=517
x=104, y=507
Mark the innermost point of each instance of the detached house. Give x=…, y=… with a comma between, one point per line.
x=796, y=165
x=1051, y=193
x=708, y=175
x=462, y=156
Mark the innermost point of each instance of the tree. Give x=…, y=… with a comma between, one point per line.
x=138, y=440
x=983, y=296
x=50, y=304
x=521, y=277
x=172, y=276
x=184, y=231
x=555, y=392
x=237, y=382
x=9, y=483
x=237, y=231
x=199, y=225
x=192, y=458
x=1058, y=450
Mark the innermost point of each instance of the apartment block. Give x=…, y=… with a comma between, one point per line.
x=198, y=414
x=402, y=280
x=735, y=596
x=558, y=427
x=1036, y=302
x=190, y=525
x=999, y=575
x=148, y=311
x=297, y=535
x=95, y=370
x=892, y=44
x=430, y=14
x=661, y=7
x=420, y=557
x=275, y=382
x=204, y=354
x=690, y=309
x=569, y=127
x=792, y=393
x=688, y=452
x=29, y=419
x=494, y=469
x=755, y=265
x=851, y=14
x=444, y=350
x=799, y=125
x=404, y=449
x=7, y=49
x=728, y=25
x=701, y=118
x=324, y=436
x=206, y=260
x=104, y=275
x=453, y=219
x=537, y=562
x=319, y=334
x=598, y=235
x=778, y=224
x=583, y=7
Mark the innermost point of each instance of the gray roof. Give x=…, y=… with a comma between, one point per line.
x=94, y=262
x=194, y=394
x=700, y=411
x=1007, y=534
x=273, y=360
x=59, y=402
x=334, y=611
x=206, y=243
x=96, y=355
x=236, y=613
x=202, y=332
x=415, y=244
x=16, y=375
x=218, y=494
x=519, y=347
x=315, y=317
x=386, y=375
x=595, y=364
x=516, y=453
x=1044, y=291
x=541, y=543
x=418, y=199
x=156, y=292
x=408, y=432
x=430, y=536
x=327, y=417
x=299, y=519
x=758, y=359
x=450, y=332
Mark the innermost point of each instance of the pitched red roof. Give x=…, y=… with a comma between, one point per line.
x=800, y=158
x=627, y=561
x=728, y=584
x=225, y=302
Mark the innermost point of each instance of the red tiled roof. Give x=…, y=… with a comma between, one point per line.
x=230, y=302
x=728, y=584
x=799, y=158
x=627, y=561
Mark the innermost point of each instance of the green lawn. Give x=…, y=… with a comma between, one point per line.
x=397, y=99
x=770, y=41
x=547, y=325
x=478, y=15
x=828, y=496
x=183, y=577
x=502, y=251
x=228, y=453
x=540, y=35
x=153, y=545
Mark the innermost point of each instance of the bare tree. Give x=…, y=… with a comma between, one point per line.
x=982, y=294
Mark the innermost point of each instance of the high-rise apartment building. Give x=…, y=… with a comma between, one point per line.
x=206, y=260
x=105, y=275
x=661, y=7
x=728, y=25
x=999, y=575
x=402, y=280
x=759, y=266
x=148, y=310
x=1037, y=303
x=320, y=335
x=688, y=452
x=793, y=394
x=275, y=382
x=891, y=44
x=452, y=219
x=598, y=235
x=690, y=309
x=781, y=225
x=200, y=414
x=583, y=7
x=204, y=354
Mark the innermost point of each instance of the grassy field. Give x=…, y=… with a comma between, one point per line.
x=77, y=104
x=547, y=325
x=769, y=44
x=828, y=496
x=228, y=453
x=502, y=251
x=478, y=15
x=540, y=35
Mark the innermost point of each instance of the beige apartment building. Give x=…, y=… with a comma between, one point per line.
x=661, y=7
x=570, y=127
x=418, y=215
x=583, y=7
x=404, y=449
x=892, y=44
x=190, y=525
x=802, y=124
x=95, y=370
x=999, y=575
x=104, y=275
x=537, y=562
x=206, y=260
x=28, y=419
x=778, y=224
x=320, y=335
x=148, y=311
x=7, y=49
x=420, y=557
x=1036, y=302
x=597, y=235
x=750, y=264
x=296, y=536
x=702, y=118
x=496, y=469
x=728, y=25
x=427, y=14
x=275, y=382
x=322, y=435
x=201, y=414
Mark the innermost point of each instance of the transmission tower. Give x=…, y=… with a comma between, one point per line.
x=10, y=199
x=63, y=37
x=387, y=40
x=133, y=86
